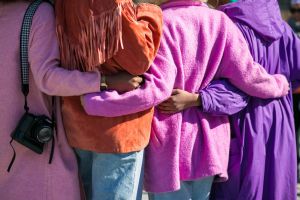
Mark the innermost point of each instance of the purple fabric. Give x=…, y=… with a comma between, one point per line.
x=222, y=98
x=263, y=151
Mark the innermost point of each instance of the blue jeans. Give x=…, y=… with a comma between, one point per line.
x=111, y=176
x=189, y=190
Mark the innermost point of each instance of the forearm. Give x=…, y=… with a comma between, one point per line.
x=57, y=81
x=222, y=98
x=157, y=88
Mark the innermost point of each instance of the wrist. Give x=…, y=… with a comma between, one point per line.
x=195, y=100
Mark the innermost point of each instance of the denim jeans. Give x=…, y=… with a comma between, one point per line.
x=189, y=190
x=111, y=176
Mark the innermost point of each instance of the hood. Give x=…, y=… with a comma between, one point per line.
x=263, y=16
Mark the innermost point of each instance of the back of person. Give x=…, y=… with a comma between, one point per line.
x=264, y=166
x=190, y=146
x=31, y=177
x=193, y=48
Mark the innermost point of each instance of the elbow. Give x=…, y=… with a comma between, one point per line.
x=142, y=66
x=44, y=88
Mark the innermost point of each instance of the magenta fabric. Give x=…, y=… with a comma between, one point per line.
x=198, y=45
x=31, y=176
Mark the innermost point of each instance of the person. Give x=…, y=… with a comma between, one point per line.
x=262, y=161
x=31, y=177
x=188, y=149
x=111, y=36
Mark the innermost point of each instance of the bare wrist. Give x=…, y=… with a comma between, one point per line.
x=195, y=100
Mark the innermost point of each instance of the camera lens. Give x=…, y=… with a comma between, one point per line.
x=44, y=134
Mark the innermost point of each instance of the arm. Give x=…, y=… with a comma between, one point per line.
x=142, y=29
x=218, y=98
x=44, y=60
x=159, y=82
x=222, y=98
x=238, y=67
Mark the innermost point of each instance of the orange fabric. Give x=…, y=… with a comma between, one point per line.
x=141, y=33
x=89, y=31
x=105, y=135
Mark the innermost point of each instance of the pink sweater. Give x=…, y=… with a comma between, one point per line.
x=198, y=45
x=31, y=176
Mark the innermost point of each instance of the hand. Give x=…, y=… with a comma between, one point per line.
x=123, y=82
x=179, y=101
x=156, y=2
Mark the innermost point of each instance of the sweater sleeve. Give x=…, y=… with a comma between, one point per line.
x=239, y=68
x=44, y=60
x=293, y=53
x=142, y=30
x=222, y=98
x=158, y=86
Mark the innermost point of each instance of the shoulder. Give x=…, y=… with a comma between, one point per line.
x=44, y=14
x=150, y=8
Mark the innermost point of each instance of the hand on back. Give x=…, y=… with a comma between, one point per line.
x=179, y=101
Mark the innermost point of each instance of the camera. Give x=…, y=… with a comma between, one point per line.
x=34, y=131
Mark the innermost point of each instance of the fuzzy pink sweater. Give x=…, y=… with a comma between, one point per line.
x=198, y=45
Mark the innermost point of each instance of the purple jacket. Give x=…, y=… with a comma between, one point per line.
x=263, y=152
x=195, y=49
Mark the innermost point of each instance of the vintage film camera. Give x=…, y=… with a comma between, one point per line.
x=33, y=132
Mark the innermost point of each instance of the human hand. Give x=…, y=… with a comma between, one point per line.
x=179, y=101
x=123, y=82
x=156, y=2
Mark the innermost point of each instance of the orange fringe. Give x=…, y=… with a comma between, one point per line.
x=100, y=40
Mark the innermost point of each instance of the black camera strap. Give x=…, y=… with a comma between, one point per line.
x=54, y=127
x=24, y=41
x=24, y=45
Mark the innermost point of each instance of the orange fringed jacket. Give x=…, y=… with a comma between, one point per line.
x=132, y=48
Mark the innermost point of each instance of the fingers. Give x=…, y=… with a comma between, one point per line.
x=137, y=79
x=135, y=85
x=166, y=108
x=168, y=112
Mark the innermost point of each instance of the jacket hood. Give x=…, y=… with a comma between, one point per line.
x=263, y=16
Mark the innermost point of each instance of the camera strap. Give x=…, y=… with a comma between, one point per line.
x=24, y=41
x=54, y=129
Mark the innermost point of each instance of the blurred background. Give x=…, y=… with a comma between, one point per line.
x=285, y=6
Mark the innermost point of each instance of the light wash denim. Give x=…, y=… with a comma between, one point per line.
x=111, y=176
x=189, y=190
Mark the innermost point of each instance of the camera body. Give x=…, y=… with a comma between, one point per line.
x=34, y=131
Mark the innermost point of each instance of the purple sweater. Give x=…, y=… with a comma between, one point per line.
x=191, y=144
x=31, y=176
